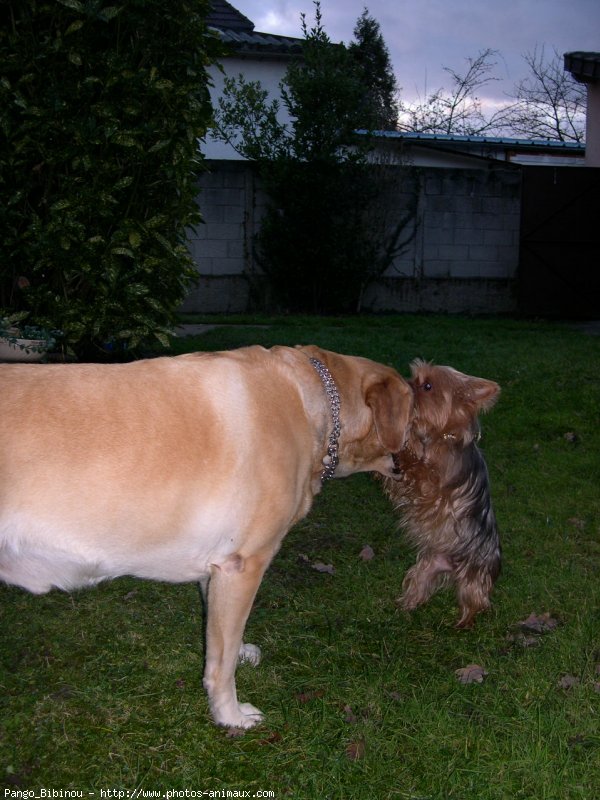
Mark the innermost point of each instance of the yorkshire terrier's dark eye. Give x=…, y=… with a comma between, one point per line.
x=426, y=386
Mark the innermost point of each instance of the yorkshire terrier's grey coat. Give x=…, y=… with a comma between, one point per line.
x=443, y=492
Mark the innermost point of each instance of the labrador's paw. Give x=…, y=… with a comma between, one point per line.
x=245, y=715
x=251, y=715
x=249, y=653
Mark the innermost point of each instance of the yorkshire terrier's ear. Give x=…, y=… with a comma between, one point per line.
x=418, y=364
x=484, y=392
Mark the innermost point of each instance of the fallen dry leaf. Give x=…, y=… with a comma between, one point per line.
x=471, y=674
x=571, y=436
x=367, y=553
x=320, y=567
x=311, y=694
x=538, y=623
x=523, y=640
x=356, y=750
x=349, y=716
x=568, y=682
x=577, y=523
x=235, y=733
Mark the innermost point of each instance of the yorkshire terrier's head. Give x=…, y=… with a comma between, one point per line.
x=447, y=402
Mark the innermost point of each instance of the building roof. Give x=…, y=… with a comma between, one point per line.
x=584, y=67
x=224, y=16
x=458, y=140
x=460, y=149
x=238, y=32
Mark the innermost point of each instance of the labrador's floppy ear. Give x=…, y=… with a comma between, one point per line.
x=391, y=401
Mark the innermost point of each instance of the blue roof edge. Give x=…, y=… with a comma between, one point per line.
x=466, y=139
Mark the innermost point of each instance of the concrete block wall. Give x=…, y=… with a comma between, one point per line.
x=221, y=245
x=471, y=224
x=463, y=258
x=468, y=225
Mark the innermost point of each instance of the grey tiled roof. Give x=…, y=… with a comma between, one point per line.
x=225, y=17
x=238, y=31
x=584, y=67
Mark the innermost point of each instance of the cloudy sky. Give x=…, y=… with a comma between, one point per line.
x=423, y=36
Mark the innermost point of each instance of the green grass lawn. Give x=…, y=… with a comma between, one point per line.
x=102, y=689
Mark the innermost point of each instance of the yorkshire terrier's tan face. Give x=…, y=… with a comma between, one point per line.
x=448, y=400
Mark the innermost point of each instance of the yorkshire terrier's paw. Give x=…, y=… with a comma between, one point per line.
x=467, y=620
x=404, y=604
x=411, y=599
x=419, y=584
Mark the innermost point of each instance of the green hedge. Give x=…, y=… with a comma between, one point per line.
x=101, y=107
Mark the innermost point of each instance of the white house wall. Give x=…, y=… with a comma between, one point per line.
x=269, y=73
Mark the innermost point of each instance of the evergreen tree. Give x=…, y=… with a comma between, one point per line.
x=323, y=95
x=312, y=246
x=323, y=234
x=372, y=57
x=101, y=108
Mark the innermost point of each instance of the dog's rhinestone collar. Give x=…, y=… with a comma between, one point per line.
x=331, y=460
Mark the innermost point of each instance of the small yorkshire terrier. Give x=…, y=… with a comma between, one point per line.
x=443, y=492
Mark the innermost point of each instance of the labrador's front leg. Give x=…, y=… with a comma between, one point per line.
x=249, y=653
x=230, y=595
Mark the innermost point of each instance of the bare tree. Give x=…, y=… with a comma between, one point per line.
x=549, y=102
x=459, y=110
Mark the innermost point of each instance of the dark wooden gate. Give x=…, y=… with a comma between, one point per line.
x=559, y=263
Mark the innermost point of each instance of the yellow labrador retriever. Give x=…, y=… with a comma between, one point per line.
x=189, y=468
